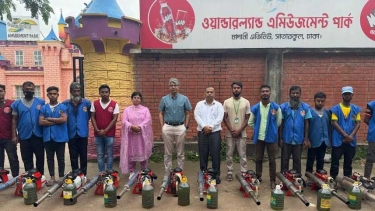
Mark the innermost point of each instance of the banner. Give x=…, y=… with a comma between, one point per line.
x=224, y=24
x=23, y=28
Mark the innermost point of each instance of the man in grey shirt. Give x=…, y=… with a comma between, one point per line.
x=174, y=118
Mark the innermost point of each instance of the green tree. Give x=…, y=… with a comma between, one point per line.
x=37, y=8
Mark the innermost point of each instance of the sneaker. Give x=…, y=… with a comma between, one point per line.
x=229, y=177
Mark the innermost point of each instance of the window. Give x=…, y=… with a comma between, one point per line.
x=38, y=58
x=19, y=58
x=20, y=94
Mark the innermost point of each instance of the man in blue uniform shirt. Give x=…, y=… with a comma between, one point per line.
x=78, y=127
x=53, y=118
x=26, y=129
x=319, y=133
x=294, y=129
x=346, y=121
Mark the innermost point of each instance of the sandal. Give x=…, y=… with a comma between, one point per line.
x=229, y=177
x=49, y=183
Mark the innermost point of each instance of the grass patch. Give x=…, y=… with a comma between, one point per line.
x=158, y=157
x=360, y=153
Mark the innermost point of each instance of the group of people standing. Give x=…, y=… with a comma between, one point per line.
x=293, y=126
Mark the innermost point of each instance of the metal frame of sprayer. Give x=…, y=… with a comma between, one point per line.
x=296, y=179
x=289, y=183
x=319, y=178
x=35, y=176
x=142, y=176
x=205, y=178
x=103, y=179
x=253, y=181
x=368, y=183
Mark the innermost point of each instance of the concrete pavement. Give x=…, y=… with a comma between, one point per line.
x=229, y=196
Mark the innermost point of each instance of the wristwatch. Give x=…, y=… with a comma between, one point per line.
x=187, y=127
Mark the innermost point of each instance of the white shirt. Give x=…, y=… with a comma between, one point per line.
x=209, y=115
x=115, y=111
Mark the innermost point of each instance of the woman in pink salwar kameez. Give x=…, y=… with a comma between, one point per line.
x=136, y=135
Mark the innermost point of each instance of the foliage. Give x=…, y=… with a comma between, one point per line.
x=158, y=157
x=361, y=152
x=37, y=8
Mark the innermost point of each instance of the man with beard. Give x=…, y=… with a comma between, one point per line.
x=346, y=119
x=319, y=133
x=26, y=128
x=53, y=118
x=6, y=143
x=294, y=129
x=78, y=127
x=174, y=118
x=236, y=115
x=265, y=118
x=209, y=114
x=104, y=114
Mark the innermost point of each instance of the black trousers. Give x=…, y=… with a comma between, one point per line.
x=317, y=154
x=259, y=152
x=11, y=150
x=78, y=148
x=29, y=147
x=209, y=145
x=337, y=152
x=286, y=151
x=58, y=148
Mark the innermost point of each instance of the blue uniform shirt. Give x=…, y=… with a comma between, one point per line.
x=58, y=132
x=28, y=118
x=78, y=118
x=294, y=122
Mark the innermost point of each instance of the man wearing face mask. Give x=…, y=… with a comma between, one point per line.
x=294, y=129
x=78, y=127
x=236, y=115
x=26, y=129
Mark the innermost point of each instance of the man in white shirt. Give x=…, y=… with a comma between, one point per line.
x=209, y=114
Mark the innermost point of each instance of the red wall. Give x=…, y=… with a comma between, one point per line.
x=313, y=72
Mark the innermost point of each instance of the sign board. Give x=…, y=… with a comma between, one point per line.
x=23, y=28
x=224, y=24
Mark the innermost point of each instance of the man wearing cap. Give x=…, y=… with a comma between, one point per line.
x=346, y=121
x=236, y=116
x=174, y=117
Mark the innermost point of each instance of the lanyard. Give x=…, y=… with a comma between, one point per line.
x=238, y=106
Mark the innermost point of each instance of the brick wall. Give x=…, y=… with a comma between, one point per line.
x=329, y=73
x=195, y=72
x=313, y=72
